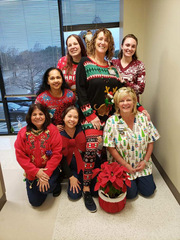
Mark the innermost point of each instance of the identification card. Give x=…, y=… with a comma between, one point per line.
x=111, y=71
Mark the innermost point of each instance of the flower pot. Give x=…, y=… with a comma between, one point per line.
x=111, y=205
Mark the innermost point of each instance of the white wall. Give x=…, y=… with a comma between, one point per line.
x=156, y=23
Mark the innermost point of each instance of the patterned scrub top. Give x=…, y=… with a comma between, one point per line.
x=131, y=144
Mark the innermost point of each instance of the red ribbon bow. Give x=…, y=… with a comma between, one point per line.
x=71, y=146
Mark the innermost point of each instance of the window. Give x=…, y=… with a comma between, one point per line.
x=32, y=39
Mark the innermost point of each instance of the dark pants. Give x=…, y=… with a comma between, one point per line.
x=143, y=185
x=76, y=196
x=36, y=198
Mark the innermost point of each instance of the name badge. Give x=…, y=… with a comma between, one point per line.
x=111, y=71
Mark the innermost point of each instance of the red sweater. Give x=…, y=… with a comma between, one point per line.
x=56, y=105
x=38, y=151
x=70, y=76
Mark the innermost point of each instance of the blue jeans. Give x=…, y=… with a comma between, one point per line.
x=36, y=198
x=143, y=185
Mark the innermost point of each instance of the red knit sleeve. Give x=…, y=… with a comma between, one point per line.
x=81, y=89
x=22, y=156
x=56, y=147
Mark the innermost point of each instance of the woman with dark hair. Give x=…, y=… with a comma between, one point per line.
x=68, y=64
x=38, y=151
x=131, y=69
x=74, y=145
x=55, y=94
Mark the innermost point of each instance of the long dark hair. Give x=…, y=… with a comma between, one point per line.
x=43, y=109
x=45, y=86
x=134, y=57
x=69, y=57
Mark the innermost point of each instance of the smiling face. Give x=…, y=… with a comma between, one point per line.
x=71, y=119
x=74, y=48
x=54, y=80
x=129, y=47
x=101, y=44
x=126, y=104
x=37, y=118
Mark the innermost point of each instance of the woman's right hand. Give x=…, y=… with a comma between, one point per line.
x=60, y=127
x=130, y=168
x=42, y=175
x=96, y=123
x=74, y=184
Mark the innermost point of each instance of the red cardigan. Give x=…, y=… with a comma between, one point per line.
x=38, y=151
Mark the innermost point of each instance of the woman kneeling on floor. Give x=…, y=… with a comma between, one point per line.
x=38, y=151
x=129, y=138
x=74, y=146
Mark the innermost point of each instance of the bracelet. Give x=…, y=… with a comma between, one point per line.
x=145, y=161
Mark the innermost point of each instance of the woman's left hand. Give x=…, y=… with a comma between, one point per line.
x=96, y=123
x=147, y=114
x=141, y=165
x=43, y=185
x=74, y=184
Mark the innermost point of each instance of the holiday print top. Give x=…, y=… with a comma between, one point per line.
x=73, y=148
x=56, y=105
x=133, y=74
x=70, y=76
x=35, y=150
x=93, y=84
x=131, y=144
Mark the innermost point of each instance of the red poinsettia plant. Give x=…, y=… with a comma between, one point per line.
x=112, y=179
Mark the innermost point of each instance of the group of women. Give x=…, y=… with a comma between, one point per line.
x=79, y=96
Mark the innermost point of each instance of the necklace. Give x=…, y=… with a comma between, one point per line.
x=57, y=95
x=71, y=132
x=102, y=63
x=36, y=132
x=31, y=183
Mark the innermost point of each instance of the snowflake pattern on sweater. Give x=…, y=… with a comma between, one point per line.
x=133, y=74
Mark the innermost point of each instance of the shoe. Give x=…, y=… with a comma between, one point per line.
x=89, y=202
x=57, y=190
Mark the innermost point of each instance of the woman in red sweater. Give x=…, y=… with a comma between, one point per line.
x=68, y=64
x=55, y=94
x=38, y=151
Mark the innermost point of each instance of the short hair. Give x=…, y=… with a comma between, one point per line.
x=43, y=109
x=108, y=34
x=121, y=93
x=134, y=57
x=72, y=107
x=45, y=86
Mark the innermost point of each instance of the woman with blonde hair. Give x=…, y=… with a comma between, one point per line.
x=129, y=138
